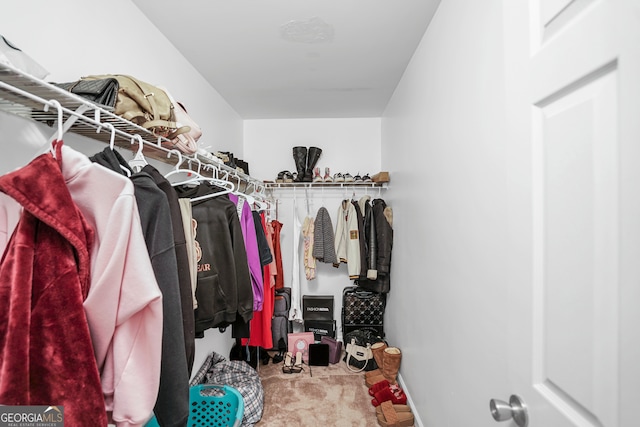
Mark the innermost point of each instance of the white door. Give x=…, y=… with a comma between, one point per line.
x=573, y=98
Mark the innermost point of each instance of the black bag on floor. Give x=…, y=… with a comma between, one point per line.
x=362, y=309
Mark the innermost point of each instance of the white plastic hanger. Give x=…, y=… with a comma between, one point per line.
x=58, y=106
x=255, y=198
x=112, y=143
x=192, y=176
x=197, y=177
x=138, y=161
x=262, y=203
x=177, y=169
x=112, y=138
x=226, y=186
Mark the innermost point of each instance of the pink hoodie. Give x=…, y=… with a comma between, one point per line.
x=124, y=305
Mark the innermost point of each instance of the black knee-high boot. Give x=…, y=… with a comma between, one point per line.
x=300, y=159
x=312, y=158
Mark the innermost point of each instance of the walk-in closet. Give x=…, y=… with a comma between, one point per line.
x=361, y=213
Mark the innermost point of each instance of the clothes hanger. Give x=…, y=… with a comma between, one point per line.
x=197, y=177
x=54, y=103
x=225, y=185
x=138, y=161
x=177, y=169
x=258, y=203
x=112, y=142
x=262, y=201
x=193, y=177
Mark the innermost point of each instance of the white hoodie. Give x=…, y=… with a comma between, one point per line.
x=347, y=238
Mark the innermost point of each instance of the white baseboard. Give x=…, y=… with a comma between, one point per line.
x=416, y=416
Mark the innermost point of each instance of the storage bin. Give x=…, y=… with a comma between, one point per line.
x=223, y=409
x=317, y=307
x=320, y=328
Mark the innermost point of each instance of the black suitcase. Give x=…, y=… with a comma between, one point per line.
x=362, y=310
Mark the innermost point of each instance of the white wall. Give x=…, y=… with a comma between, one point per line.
x=73, y=38
x=349, y=145
x=443, y=143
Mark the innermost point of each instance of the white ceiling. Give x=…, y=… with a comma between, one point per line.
x=297, y=58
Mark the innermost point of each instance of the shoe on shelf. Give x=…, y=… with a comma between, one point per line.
x=288, y=177
x=348, y=177
x=284, y=176
x=366, y=178
x=327, y=175
x=338, y=177
x=316, y=175
x=357, y=178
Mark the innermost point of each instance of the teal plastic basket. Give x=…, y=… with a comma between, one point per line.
x=223, y=408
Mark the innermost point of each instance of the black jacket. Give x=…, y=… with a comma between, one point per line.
x=384, y=237
x=364, y=249
x=182, y=258
x=378, y=233
x=224, y=288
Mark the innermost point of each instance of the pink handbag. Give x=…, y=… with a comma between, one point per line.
x=186, y=143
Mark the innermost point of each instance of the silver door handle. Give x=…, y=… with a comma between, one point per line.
x=516, y=409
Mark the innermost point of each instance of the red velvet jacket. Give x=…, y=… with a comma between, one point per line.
x=46, y=355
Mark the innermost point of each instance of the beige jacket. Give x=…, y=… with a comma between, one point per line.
x=347, y=239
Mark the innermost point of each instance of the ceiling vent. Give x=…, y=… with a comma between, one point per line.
x=313, y=30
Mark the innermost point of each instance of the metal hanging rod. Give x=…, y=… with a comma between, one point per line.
x=324, y=185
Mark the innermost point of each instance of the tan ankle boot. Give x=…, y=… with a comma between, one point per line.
x=391, y=358
x=377, y=349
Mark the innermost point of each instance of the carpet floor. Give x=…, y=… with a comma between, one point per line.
x=317, y=396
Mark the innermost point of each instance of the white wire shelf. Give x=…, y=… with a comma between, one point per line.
x=324, y=185
x=32, y=98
